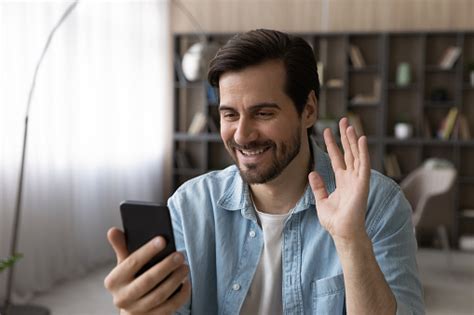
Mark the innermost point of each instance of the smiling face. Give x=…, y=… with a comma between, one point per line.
x=260, y=126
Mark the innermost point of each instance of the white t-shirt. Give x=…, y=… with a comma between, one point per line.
x=264, y=296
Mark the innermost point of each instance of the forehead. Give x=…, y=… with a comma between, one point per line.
x=255, y=84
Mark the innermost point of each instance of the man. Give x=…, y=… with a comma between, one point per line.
x=287, y=229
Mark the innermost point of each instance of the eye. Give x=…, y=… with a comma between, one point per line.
x=264, y=114
x=229, y=115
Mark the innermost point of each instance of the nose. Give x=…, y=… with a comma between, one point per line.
x=246, y=131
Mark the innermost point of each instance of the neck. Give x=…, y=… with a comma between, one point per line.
x=282, y=193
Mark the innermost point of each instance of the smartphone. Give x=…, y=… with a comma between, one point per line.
x=143, y=221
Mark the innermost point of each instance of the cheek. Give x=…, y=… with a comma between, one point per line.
x=226, y=131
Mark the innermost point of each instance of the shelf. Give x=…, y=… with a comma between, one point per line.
x=466, y=179
x=394, y=86
x=409, y=141
x=366, y=69
x=439, y=142
x=209, y=137
x=331, y=88
x=436, y=68
x=439, y=104
x=465, y=143
x=376, y=104
x=382, y=53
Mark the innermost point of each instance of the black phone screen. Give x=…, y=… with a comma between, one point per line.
x=143, y=221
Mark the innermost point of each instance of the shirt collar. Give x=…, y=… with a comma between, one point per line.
x=237, y=195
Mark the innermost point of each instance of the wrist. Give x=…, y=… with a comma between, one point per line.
x=358, y=243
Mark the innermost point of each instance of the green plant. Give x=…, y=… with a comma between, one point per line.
x=8, y=262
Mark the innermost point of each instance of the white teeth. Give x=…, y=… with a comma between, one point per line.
x=248, y=152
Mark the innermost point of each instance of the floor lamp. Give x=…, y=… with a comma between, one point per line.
x=9, y=308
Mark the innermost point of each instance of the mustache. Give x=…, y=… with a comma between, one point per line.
x=251, y=145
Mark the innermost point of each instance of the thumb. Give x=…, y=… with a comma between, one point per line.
x=117, y=240
x=317, y=186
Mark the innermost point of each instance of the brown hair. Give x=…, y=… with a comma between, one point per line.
x=257, y=46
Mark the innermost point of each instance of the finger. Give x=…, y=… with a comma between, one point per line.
x=348, y=158
x=162, y=293
x=335, y=155
x=126, y=270
x=352, y=137
x=317, y=186
x=177, y=301
x=117, y=240
x=148, y=280
x=364, y=169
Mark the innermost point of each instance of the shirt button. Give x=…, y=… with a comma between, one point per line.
x=252, y=233
x=236, y=287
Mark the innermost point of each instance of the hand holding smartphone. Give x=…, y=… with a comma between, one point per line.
x=135, y=289
x=143, y=221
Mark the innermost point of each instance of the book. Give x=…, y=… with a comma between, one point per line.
x=320, y=70
x=450, y=57
x=356, y=57
x=448, y=123
x=356, y=122
x=464, y=131
x=198, y=124
x=391, y=165
x=334, y=83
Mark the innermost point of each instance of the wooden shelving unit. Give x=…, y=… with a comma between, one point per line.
x=382, y=52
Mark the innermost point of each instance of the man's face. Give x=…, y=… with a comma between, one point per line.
x=260, y=126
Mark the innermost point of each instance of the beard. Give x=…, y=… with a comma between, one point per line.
x=261, y=173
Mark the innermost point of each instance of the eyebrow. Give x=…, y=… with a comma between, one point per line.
x=252, y=107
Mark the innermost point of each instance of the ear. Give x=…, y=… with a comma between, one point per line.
x=310, y=112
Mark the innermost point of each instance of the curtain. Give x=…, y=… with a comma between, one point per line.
x=99, y=129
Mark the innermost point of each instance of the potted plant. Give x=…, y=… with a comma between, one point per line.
x=8, y=262
x=403, y=127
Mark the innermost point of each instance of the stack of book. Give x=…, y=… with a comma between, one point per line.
x=454, y=126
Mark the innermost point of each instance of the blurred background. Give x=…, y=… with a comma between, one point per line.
x=120, y=109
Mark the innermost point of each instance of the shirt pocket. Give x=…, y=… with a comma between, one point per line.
x=328, y=295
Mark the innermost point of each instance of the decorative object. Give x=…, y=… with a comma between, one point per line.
x=403, y=74
x=196, y=60
x=403, y=130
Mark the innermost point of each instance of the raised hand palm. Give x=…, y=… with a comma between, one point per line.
x=342, y=212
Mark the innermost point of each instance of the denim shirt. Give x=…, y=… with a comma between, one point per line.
x=216, y=228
